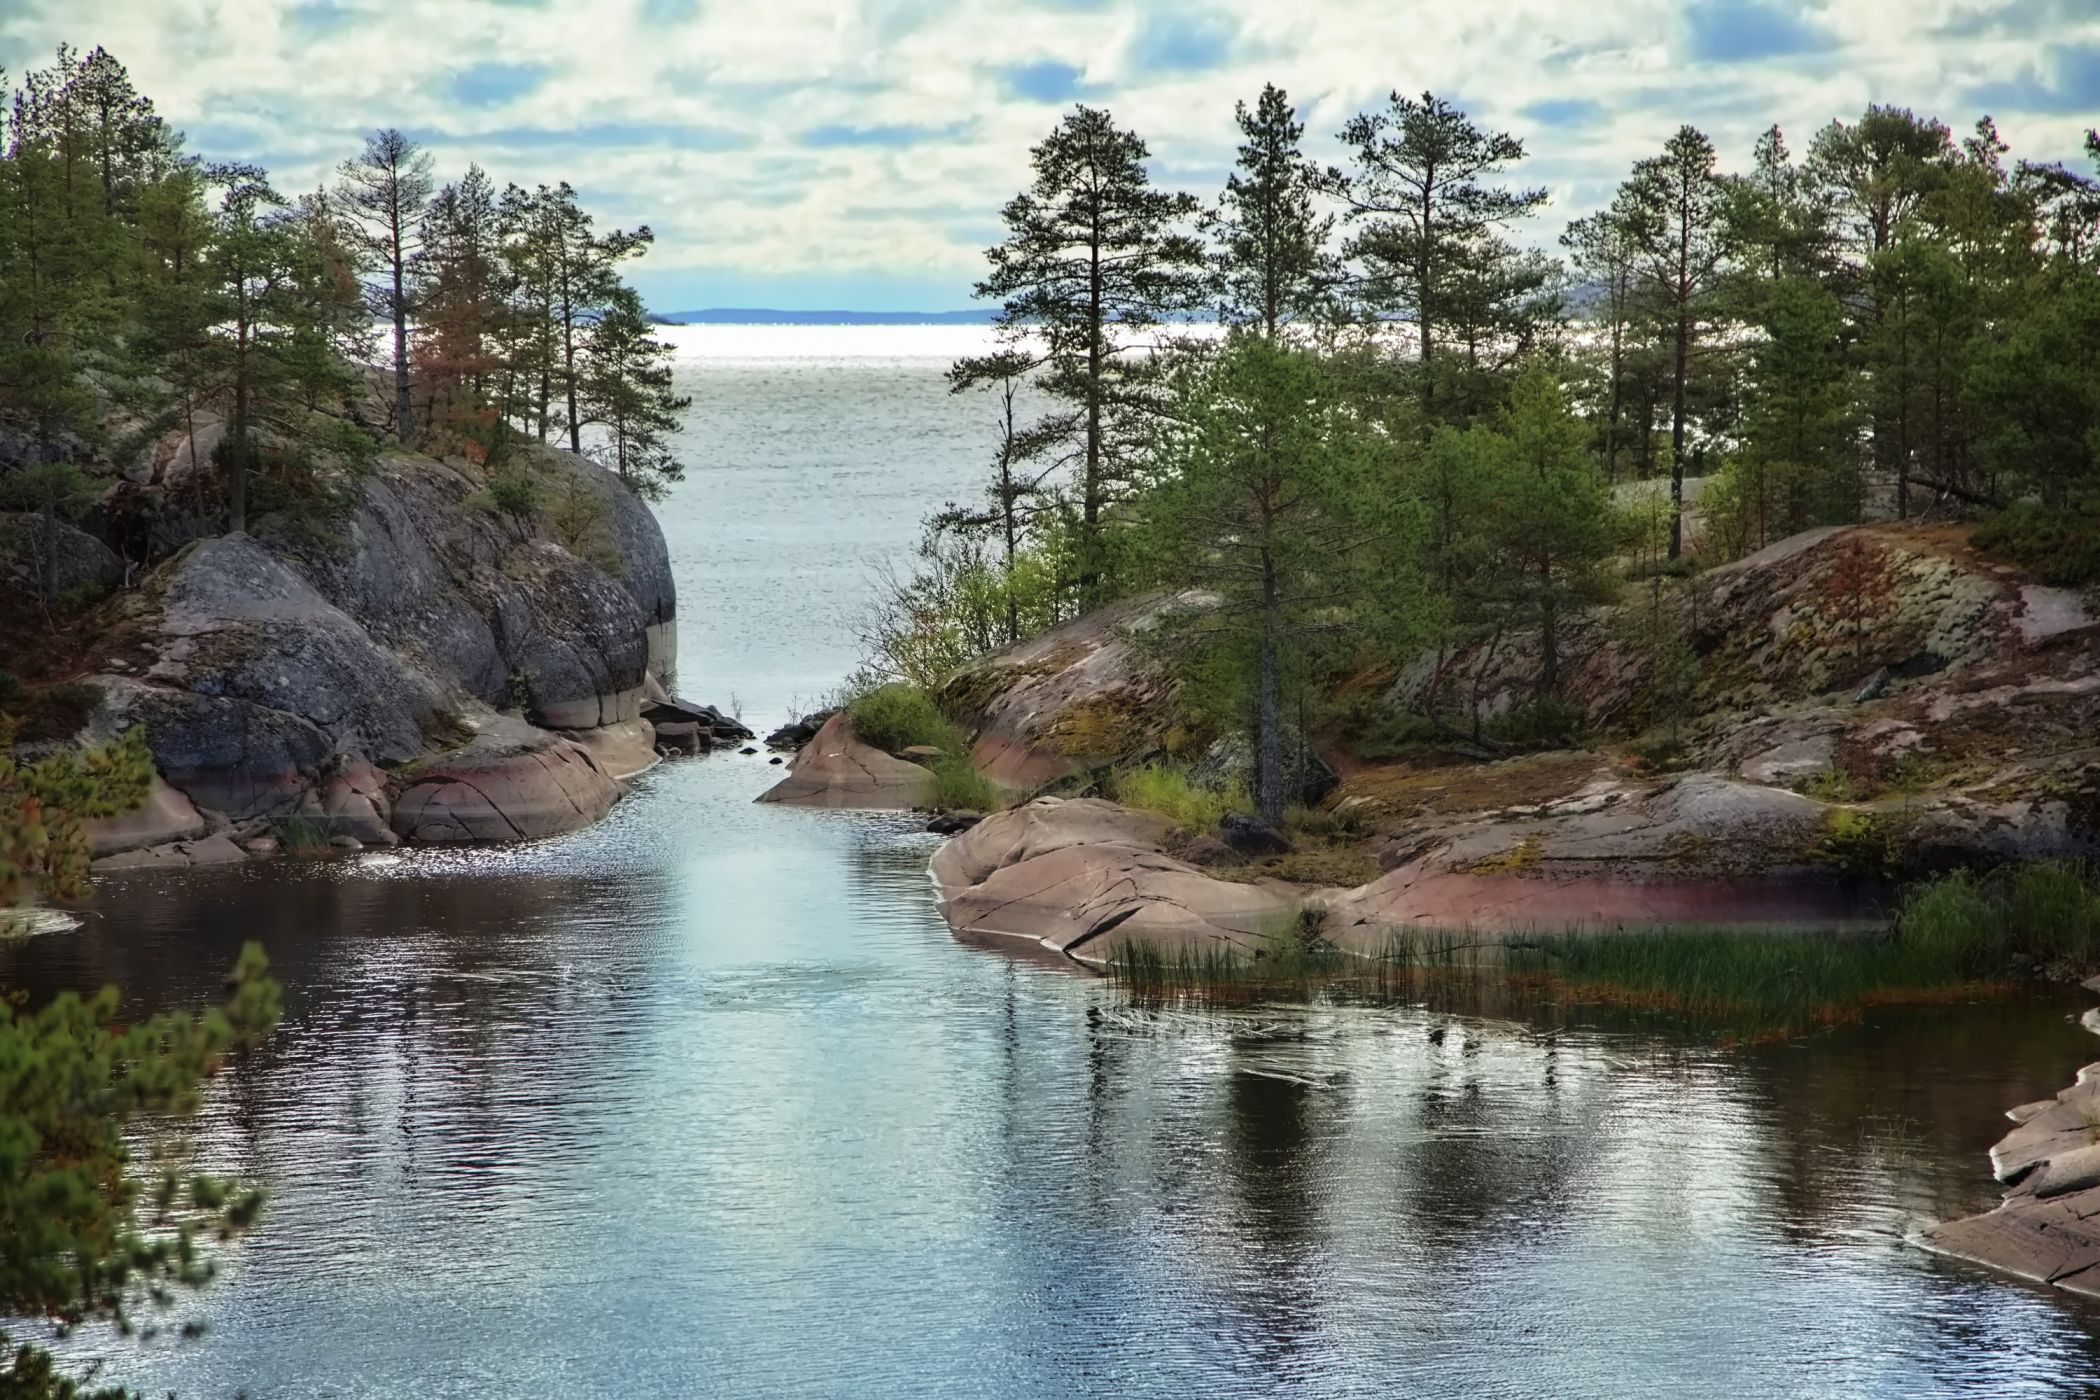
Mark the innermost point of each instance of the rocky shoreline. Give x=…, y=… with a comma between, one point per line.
x=2046, y=1230
x=430, y=671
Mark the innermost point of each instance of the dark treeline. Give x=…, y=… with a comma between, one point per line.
x=144, y=289
x=1410, y=434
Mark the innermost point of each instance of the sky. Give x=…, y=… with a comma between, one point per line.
x=854, y=154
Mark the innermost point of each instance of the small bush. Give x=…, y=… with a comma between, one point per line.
x=1543, y=723
x=1396, y=734
x=301, y=834
x=2061, y=547
x=1951, y=927
x=959, y=787
x=895, y=717
x=516, y=492
x=11, y=693
x=1665, y=755
x=1830, y=784
x=1170, y=791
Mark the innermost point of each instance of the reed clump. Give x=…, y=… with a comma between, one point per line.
x=1959, y=937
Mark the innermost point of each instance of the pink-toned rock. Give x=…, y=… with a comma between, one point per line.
x=513, y=782
x=1075, y=697
x=2047, y=1228
x=1086, y=878
x=625, y=750
x=837, y=770
x=166, y=816
x=353, y=802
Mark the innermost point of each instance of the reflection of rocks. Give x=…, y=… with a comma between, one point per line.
x=2047, y=1229
x=835, y=769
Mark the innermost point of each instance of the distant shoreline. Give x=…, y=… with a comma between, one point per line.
x=762, y=316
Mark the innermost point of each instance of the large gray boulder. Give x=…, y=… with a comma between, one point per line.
x=78, y=559
x=509, y=618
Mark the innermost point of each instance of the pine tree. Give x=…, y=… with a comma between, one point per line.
x=1272, y=266
x=623, y=384
x=1428, y=222
x=1553, y=511
x=567, y=276
x=466, y=290
x=1268, y=504
x=1016, y=492
x=1093, y=260
x=385, y=190
x=1602, y=251
x=1675, y=208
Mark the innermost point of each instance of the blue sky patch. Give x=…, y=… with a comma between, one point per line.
x=898, y=136
x=493, y=84
x=1172, y=41
x=1726, y=32
x=1044, y=81
x=1563, y=111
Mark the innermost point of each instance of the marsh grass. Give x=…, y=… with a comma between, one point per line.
x=1959, y=938
x=301, y=834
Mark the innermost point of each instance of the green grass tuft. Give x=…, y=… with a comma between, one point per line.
x=1170, y=791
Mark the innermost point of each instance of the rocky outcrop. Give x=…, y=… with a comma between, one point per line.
x=1082, y=695
x=2047, y=1227
x=836, y=770
x=78, y=560
x=512, y=782
x=425, y=669
x=1087, y=878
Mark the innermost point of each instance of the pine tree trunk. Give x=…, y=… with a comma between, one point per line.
x=1268, y=746
x=1677, y=408
x=404, y=411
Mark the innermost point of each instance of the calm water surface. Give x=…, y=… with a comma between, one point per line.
x=706, y=1101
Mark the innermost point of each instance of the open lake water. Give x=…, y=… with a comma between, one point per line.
x=706, y=1101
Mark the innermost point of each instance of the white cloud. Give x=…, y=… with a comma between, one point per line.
x=702, y=126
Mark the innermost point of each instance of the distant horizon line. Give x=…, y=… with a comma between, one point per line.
x=780, y=316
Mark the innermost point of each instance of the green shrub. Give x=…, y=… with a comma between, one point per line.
x=2052, y=912
x=1951, y=926
x=1543, y=723
x=2060, y=546
x=1396, y=734
x=895, y=717
x=516, y=492
x=1170, y=791
x=1829, y=784
x=959, y=787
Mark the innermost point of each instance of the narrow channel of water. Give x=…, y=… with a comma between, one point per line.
x=707, y=1102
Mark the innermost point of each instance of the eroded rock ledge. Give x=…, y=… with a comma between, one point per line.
x=2047, y=1228
x=1085, y=877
